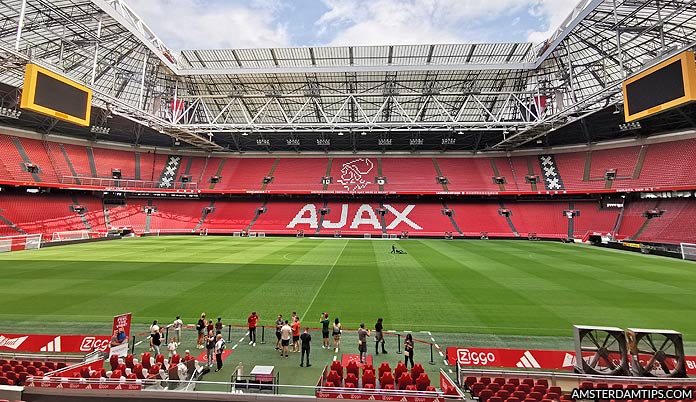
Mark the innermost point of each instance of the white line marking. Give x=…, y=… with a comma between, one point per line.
x=446, y=362
x=441, y=355
x=450, y=371
x=325, y=278
x=138, y=343
x=436, y=345
x=429, y=333
x=235, y=346
x=432, y=339
x=334, y=358
x=242, y=339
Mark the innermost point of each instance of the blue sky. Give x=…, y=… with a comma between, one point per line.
x=210, y=24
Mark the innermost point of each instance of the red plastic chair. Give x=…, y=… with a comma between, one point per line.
x=540, y=389
x=176, y=359
x=468, y=381
x=404, y=380
x=515, y=381
x=145, y=360
x=389, y=386
x=338, y=368
x=160, y=359
x=524, y=388
x=430, y=388
x=555, y=390
x=485, y=380
x=495, y=399
x=417, y=370
x=534, y=395
x=476, y=388
x=116, y=374
x=350, y=385
x=367, y=367
x=351, y=378
x=499, y=380
x=369, y=378
x=383, y=368
x=129, y=360
x=493, y=387
x=542, y=381
x=386, y=379
x=113, y=361
x=400, y=369
x=368, y=386
x=512, y=399
x=510, y=388
x=334, y=378
x=485, y=395
x=528, y=381
x=411, y=388
x=521, y=395
x=154, y=369
x=353, y=368
x=502, y=394
x=422, y=382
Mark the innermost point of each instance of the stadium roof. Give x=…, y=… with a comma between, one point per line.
x=442, y=97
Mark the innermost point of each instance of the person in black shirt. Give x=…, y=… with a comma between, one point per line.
x=306, y=338
x=408, y=350
x=379, y=336
x=393, y=249
x=156, y=340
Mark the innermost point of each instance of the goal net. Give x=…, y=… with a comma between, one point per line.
x=74, y=235
x=688, y=251
x=23, y=242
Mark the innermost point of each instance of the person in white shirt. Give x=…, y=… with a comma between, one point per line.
x=171, y=347
x=219, y=348
x=285, y=335
x=177, y=325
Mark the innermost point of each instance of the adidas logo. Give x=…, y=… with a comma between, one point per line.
x=53, y=346
x=12, y=343
x=528, y=361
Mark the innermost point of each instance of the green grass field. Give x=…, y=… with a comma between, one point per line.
x=461, y=293
x=484, y=287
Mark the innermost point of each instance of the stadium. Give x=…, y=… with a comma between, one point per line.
x=511, y=221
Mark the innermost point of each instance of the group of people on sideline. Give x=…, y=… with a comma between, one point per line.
x=289, y=334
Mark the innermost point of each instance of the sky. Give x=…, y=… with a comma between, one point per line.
x=223, y=24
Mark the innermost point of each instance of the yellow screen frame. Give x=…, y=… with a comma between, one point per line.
x=29, y=94
x=688, y=72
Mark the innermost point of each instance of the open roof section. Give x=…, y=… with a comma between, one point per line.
x=489, y=92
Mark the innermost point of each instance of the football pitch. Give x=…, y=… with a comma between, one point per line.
x=514, y=288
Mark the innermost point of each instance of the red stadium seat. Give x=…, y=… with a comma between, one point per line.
x=503, y=394
x=485, y=380
x=476, y=388
x=334, y=378
x=552, y=396
x=555, y=390
x=400, y=369
x=404, y=380
x=353, y=368
x=422, y=382
x=351, y=378
x=528, y=381
x=495, y=399
x=521, y=395
x=417, y=370
x=499, y=380
x=411, y=387
x=129, y=360
x=145, y=360
x=388, y=386
x=540, y=389
x=160, y=359
x=542, y=381
x=113, y=361
x=485, y=395
x=176, y=359
x=386, y=379
x=512, y=399
x=510, y=387
x=350, y=385
x=534, y=395
x=368, y=367
x=383, y=368
x=368, y=386
x=469, y=381
x=515, y=381
x=155, y=369
x=493, y=387
x=337, y=367
x=369, y=378
x=430, y=388
x=524, y=388
x=116, y=374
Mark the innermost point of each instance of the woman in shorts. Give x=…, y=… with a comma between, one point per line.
x=337, y=334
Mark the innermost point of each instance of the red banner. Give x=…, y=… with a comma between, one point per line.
x=53, y=343
x=375, y=396
x=524, y=358
x=127, y=386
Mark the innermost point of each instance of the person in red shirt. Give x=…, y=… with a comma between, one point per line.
x=252, y=321
x=296, y=334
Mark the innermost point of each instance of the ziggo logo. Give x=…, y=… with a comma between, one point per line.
x=91, y=343
x=468, y=358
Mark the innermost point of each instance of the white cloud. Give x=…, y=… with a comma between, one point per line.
x=412, y=21
x=553, y=13
x=198, y=24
